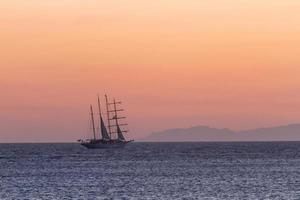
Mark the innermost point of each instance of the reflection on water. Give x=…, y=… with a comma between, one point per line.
x=151, y=171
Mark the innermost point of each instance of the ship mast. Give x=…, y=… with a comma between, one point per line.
x=116, y=115
x=108, y=119
x=93, y=122
x=116, y=118
x=99, y=106
x=99, y=115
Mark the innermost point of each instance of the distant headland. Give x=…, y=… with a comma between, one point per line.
x=289, y=132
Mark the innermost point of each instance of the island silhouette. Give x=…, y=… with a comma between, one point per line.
x=289, y=132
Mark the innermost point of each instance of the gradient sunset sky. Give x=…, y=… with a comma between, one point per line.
x=222, y=63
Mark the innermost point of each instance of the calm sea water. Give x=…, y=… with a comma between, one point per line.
x=151, y=171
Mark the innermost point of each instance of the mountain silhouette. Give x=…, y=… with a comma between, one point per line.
x=205, y=133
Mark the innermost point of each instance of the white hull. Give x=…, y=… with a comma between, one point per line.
x=104, y=145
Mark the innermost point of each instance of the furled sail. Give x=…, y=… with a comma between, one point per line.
x=104, y=132
x=120, y=134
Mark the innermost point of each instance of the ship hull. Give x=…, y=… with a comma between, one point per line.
x=105, y=145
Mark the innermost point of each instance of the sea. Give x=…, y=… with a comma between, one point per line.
x=208, y=170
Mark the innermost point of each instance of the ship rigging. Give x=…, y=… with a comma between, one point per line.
x=114, y=136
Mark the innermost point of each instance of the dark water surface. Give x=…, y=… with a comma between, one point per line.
x=151, y=171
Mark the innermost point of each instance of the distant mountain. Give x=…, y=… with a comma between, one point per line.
x=205, y=133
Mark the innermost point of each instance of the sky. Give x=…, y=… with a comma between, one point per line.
x=221, y=63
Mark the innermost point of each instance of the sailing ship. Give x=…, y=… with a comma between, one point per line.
x=112, y=137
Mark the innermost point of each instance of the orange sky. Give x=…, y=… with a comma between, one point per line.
x=221, y=63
